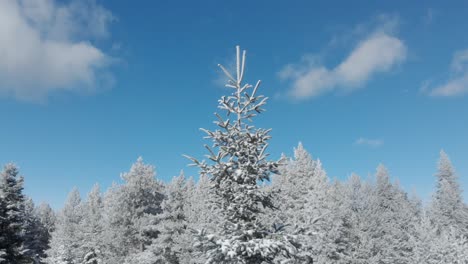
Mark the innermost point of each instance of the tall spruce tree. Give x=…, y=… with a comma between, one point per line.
x=65, y=245
x=447, y=207
x=355, y=206
x=91, y=227
x=338, y=238
x=391, y=221
x=238, y=162
x=302, y=201
x=380, y=218
x=35, y=235
x=129, y=208
x=11, y=215
x=47, y=220
x=173, y=241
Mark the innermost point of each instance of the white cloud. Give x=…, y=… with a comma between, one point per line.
x=456, y=85
x=369, y=142
x=377, y=52
x=45, y=47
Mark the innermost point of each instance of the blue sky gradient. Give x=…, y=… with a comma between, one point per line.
x=159, y=84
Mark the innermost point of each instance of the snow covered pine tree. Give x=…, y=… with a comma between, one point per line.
x=235, y=172
x=11, y=215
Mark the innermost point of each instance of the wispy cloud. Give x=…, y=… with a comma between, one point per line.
x=368, y=142
x=378, y=51
x=47, y=47
x=429, y=16
x=457, y=84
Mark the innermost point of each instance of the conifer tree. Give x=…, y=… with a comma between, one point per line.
x=200, y=211
x=47, y=217
x=303, y=203
x=447, y=207
x=201, y=215
x=11, y=215
x=238, y=162
x=91, y=227
x=338, y=238
x=128, y=209
x=65, y=245
x=381, y=220
x=353, y=200
x=392, y=220
x=434, y=246
x=173, y=241
x=35, y=235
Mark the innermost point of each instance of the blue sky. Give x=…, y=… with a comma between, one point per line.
x=88, y=86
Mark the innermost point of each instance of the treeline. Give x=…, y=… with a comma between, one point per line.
x=144, y=220
x=228, y=216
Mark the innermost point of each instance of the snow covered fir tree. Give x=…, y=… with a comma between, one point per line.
x=24, y=228
x=238, y=162
x=232, y=213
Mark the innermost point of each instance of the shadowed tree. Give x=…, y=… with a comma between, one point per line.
x=11, y=215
